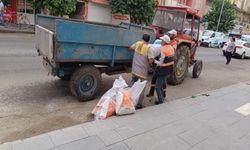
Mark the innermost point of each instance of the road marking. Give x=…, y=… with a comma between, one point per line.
x=244, y=110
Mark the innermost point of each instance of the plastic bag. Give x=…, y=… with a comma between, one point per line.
x=124, y=103
x=105, y=109
x=106, y=105
x=136, y=90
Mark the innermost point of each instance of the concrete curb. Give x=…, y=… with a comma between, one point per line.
x=16, y=31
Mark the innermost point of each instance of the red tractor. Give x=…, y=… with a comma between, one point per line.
x=187, y=24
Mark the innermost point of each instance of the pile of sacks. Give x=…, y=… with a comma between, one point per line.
x=119, y=100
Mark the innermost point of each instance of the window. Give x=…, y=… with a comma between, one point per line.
x=245, y=38
x=169, y=19
x=161, y=2
x=213, y=35
x=207, y=33
x=247, y=45
x=23, y=6
x=218, y=35
x=80, y=12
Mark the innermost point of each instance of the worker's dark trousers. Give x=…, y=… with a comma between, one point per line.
x=228, y=57
x=153, y=83
x=160, y=82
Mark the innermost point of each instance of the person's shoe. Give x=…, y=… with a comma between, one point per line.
x=150, y=94
x=138, y=106
x=158, y=103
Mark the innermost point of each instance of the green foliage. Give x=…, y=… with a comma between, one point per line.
x=61, y=7
x=56, y=7
x=227, y=18
x=37, y=4
x=140, y=11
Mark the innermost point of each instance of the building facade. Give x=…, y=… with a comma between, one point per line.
x=242, y=22
x=98, y=11
x=199, y=5
x=17, y=7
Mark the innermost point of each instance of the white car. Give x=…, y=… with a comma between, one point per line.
x=212, y=39
x=242, y=50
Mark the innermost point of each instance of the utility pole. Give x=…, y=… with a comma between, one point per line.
x=221, y=11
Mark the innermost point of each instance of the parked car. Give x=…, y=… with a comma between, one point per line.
x=212, y=39
x=243, y=50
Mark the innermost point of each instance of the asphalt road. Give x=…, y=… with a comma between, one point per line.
x=33, y=102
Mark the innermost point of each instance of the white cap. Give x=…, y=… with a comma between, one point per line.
x=174, y=32
x=166, y=39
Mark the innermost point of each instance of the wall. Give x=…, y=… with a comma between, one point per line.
x=199, y=5
x=99, y=13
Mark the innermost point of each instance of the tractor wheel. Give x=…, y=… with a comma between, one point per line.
x=181, y=66
x=85, y=83
x=197, y=69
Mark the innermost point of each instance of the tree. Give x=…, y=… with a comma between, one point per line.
x=140, y=11
x=37, y=4
x=61, y=7
x=227, y=18
x=56, y=7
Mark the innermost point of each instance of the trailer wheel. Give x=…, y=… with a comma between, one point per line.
x=181, y=66
x=197, y=69
x=85, y=83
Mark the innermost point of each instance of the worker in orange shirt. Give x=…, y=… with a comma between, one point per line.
x=164, y=68
x=174, y=43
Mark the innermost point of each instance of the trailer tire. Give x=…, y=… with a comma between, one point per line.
x=197, y=68
x=85, y=83
x=181, y=62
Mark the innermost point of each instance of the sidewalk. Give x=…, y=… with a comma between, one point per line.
x=15, y=29
x=200, y=123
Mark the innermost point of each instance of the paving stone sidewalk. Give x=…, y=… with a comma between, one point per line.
x=215, y=122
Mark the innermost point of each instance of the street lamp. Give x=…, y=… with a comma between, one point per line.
x=220, y=15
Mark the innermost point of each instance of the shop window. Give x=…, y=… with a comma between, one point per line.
x=24, y=7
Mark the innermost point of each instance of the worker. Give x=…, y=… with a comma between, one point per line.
x=140, y=65
x=154, y=53
x=164, y=68
x=174, y=43
x=173, y=37
x=230, y=50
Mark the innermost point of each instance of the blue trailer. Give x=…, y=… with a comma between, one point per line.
x=81, y=51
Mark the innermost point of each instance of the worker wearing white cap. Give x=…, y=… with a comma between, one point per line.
x=164, y=67
x=173, y=37
x=154, y=54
